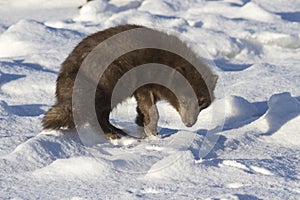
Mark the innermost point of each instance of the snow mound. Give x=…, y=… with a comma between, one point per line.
x=255, y=12
x=219, y=44
x=40, y=151
x=278, y=39
x=242, y=10
x=236, y=109
x=288, y=134
x=280, y=6
x=29, y=37
x=159, y=7
x=93, y=11
x=103, y=10
x=282, y=108
x=21, y=4
x=78, y=167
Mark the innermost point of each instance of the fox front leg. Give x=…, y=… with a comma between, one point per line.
x=147, y=112
x=150, y=124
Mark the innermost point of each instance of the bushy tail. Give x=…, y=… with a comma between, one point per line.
x=59, y=116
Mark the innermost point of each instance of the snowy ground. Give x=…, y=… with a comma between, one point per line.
x=256, y=48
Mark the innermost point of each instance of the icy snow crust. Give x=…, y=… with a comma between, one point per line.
x=255, y=46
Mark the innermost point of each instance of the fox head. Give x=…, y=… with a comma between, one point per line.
x=189, y=107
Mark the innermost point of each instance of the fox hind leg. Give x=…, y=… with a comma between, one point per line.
x=110, y=131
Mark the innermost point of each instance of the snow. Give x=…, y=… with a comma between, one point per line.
x=282, y=108
x=254, y=47
x=17, y=39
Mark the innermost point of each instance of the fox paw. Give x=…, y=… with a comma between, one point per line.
x=112, y=136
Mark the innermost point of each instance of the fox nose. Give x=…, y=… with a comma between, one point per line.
x=189, y=124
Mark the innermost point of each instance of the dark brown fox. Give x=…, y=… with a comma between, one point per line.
x=61, y=114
